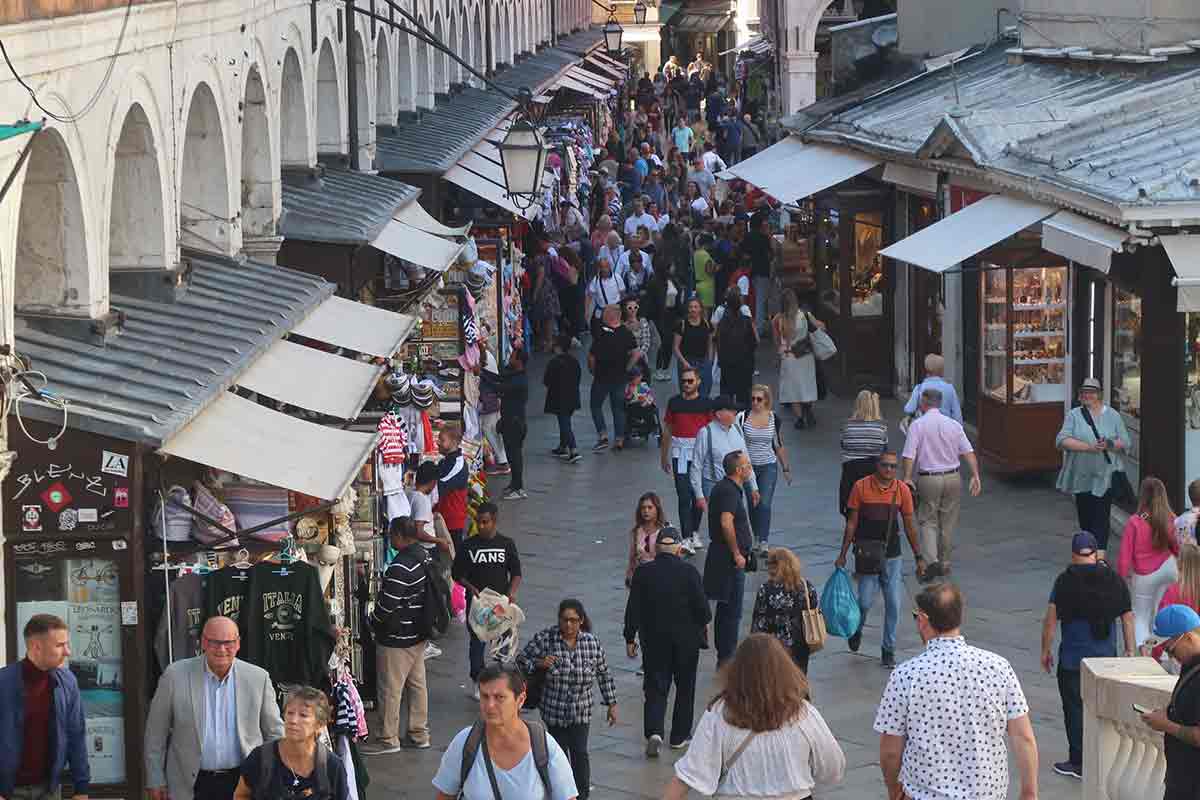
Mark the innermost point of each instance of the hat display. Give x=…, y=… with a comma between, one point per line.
x=1084, y=543
x=1175, y=621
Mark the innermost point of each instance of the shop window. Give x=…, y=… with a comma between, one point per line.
x=829, y=259
x=1034, y=321
x=866, y=271
x=1126, y=376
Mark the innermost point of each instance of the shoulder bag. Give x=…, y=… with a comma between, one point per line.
x=869, y=554
x=804, y=346
x=822, y=343
x=811, y=623
x=1120, y=489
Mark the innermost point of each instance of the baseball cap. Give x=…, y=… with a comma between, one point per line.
x=724, y=401
x=1084, y=543
x=668, y=535
x=1175, y=621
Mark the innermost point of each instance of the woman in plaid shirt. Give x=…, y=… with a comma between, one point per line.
x=571, y=660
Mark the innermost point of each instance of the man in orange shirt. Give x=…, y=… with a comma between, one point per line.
x=877, y=503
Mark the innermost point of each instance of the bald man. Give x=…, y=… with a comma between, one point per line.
x=208, y=713
x=935, y=368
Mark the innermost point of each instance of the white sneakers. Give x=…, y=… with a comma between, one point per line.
x=432, y=650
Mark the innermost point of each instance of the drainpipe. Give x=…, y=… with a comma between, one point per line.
x=351, y=83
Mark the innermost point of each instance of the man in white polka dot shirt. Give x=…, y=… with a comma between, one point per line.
x=944, y=714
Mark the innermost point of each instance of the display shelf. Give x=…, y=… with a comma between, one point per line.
x=1025, y=362
x=1037, y=334
x=1039, y=307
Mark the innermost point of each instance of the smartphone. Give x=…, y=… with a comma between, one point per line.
x=1141, y=709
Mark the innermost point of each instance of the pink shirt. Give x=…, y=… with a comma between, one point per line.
x=935, y=442
x=1137, y=548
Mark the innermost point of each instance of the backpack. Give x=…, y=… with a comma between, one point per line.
x=435, y=603
x=537, y=743
x=269, y=756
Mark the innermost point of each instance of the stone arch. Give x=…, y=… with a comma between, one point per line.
x=804, y=17
x=385, y=95
x=260, y=176
x=478, y=49
x=464, y=47
x=504, y=45
x=329, y=102
x=441, y=81
x=406, y=87
x=137, y=222
x=206, y=215
x=425, y=55
x=51, y=270
x=294, y=149
x=456, y=70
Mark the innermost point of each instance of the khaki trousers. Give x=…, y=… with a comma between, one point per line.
x=937, y=514
x=400, y=668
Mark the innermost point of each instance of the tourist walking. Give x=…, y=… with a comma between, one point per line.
x=756, y=246
x=668, y=613
x=452, y=481
x=604, y=290
x=686, y=415
x=934, y=445
x=792, y=328
x=1186, y=590
x=945, y=714
x=736, y=341
x=1088, y=599
x=572, y=660
x=877, y=505
x=648, y=521
x=760, y=736
x=207, y=714
x=864, y=438
x=43, y=729
x=1092, y=439
x=1179, y=722
x=514, y=397
x=614, y=352
x=768, y=457
x=1185, y=523
x=694, y=346
x=561, y=380
x=779, y=602
x=714, y=442
x=495, y=752
x=298, y=765
x=731, y=541
x=1147, y=555
x=935, y=368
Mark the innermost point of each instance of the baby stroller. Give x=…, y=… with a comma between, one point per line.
x=641, y=422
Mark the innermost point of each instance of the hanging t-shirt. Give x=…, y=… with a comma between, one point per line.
x=285, y=623
x=186, y=621
x=226, y=590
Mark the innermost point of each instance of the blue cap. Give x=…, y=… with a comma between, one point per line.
x=1083, y=543
x=1175, y=621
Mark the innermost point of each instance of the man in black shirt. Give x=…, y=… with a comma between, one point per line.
x=613, y=354
x=1179, y=722
x=757, y=247
x=724, y=567
x=486, y=560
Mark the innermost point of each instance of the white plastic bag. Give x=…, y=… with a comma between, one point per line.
x=495, y=619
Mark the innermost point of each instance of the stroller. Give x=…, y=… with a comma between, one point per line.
x=641, y=421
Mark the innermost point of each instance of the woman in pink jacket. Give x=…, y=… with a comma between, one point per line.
x=1148, y=551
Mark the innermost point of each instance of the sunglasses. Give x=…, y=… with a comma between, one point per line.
x=887, y=464
x=690, y=380
x=758, y=399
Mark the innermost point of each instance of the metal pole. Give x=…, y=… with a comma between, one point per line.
x=351, y=84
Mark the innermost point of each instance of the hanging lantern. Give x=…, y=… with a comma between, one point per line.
x=612, y=36
x=523, y=158
x=639, y=12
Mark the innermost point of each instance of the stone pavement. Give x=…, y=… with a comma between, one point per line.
x=573, y=536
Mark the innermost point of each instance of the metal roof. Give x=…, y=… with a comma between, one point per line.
x=340, y=206
x=171, y=360
x=1123, y=134
x=436, y=141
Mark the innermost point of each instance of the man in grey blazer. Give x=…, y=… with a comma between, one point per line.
x=208, y=713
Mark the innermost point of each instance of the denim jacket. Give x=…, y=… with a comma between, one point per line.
x=69, y=741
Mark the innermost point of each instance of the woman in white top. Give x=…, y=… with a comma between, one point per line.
x=768, y=457
x=605, y=289
x=760, y=737
x=797, y=364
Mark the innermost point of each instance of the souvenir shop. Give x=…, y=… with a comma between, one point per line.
x=216, y=488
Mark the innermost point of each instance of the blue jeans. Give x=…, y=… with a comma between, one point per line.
x=891, y=583
x=727, y=618
x=704, y=368
x=566, y=436
x=767, y=476
x=689, y=514
x=615, y=394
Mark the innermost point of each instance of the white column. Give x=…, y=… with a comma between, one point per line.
x=799, y=80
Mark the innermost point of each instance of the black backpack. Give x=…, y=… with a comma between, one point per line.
x=269, y=756
x=537, y=743
x=435, y=604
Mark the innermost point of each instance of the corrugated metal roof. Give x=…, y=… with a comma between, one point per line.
x=340, y=206
x=1123, y=134
x=581, y=42
x=171, y=360
x=438, y=139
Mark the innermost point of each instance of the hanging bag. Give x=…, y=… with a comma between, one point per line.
x=869, y=554
x=171, y=520
x=1120, y=490
x=842, y=614
x=822, y=343
x=207, y=504
x=811, y=623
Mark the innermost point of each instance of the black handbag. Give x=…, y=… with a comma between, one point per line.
x=869, y=554
x=535, y=683
x=1120, y=490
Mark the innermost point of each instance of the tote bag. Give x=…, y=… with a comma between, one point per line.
x=812, y=623
x=822, y=344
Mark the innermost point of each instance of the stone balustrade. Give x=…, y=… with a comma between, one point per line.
x=1122, y=757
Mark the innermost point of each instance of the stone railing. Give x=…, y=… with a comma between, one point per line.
x=1122, y=757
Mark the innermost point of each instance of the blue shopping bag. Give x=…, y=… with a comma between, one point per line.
x=840, y=606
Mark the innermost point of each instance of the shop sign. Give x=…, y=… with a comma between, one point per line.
x=441, y=323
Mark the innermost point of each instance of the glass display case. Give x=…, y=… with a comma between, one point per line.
x=1126, y=392
x=1023, y=370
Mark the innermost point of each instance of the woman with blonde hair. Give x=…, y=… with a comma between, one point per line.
x=864, y=437
x=297, y=765
x=779, y=602
x=797, y=364
x=768, y=456
x=760, y=736
x=1186, y=590
x=1147, y=555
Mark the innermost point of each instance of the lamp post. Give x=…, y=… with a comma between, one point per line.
x=639, y=12
x=523, y=157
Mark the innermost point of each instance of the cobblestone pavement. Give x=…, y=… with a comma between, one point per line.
x=572, y=534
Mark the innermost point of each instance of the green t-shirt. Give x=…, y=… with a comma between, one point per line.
x=705, y=285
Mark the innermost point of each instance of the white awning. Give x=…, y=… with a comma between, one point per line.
x=357, y=327
x=475, y=183
x=614, y=66
x=790, y=169
x=411, y=244
x=413, y=214
x=1082, y=240
x=1184, y=252
x=961, y=235
x=310, y=378
x=567, y=82
x=592, y=79
x=914, y=179
x=608, y=68
x=250, y=440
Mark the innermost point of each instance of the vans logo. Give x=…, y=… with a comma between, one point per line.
x=487, y=556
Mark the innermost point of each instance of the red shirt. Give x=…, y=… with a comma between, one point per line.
x=34, y=769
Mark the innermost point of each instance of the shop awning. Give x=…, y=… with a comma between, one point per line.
x=599, y=82
x=287, y=372
x=467, y=178
x=961, y=235
x=414, y=214
x=242, y=437
x=914, y=179
x=1082, y=240
x=755, y=45
x=699, y=23
x=614, y=65
x=567, y=82
x=357, y=327
x=790, y=169
x=1184, y=252
x=412, y=244
x=605, y=66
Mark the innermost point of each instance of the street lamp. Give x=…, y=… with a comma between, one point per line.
x=639, y=12
x=523, y=158
x=612, y=35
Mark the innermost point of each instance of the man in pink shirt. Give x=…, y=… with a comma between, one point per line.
x=934, y=445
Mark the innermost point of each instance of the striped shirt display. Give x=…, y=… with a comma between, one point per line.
x=863, y=438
